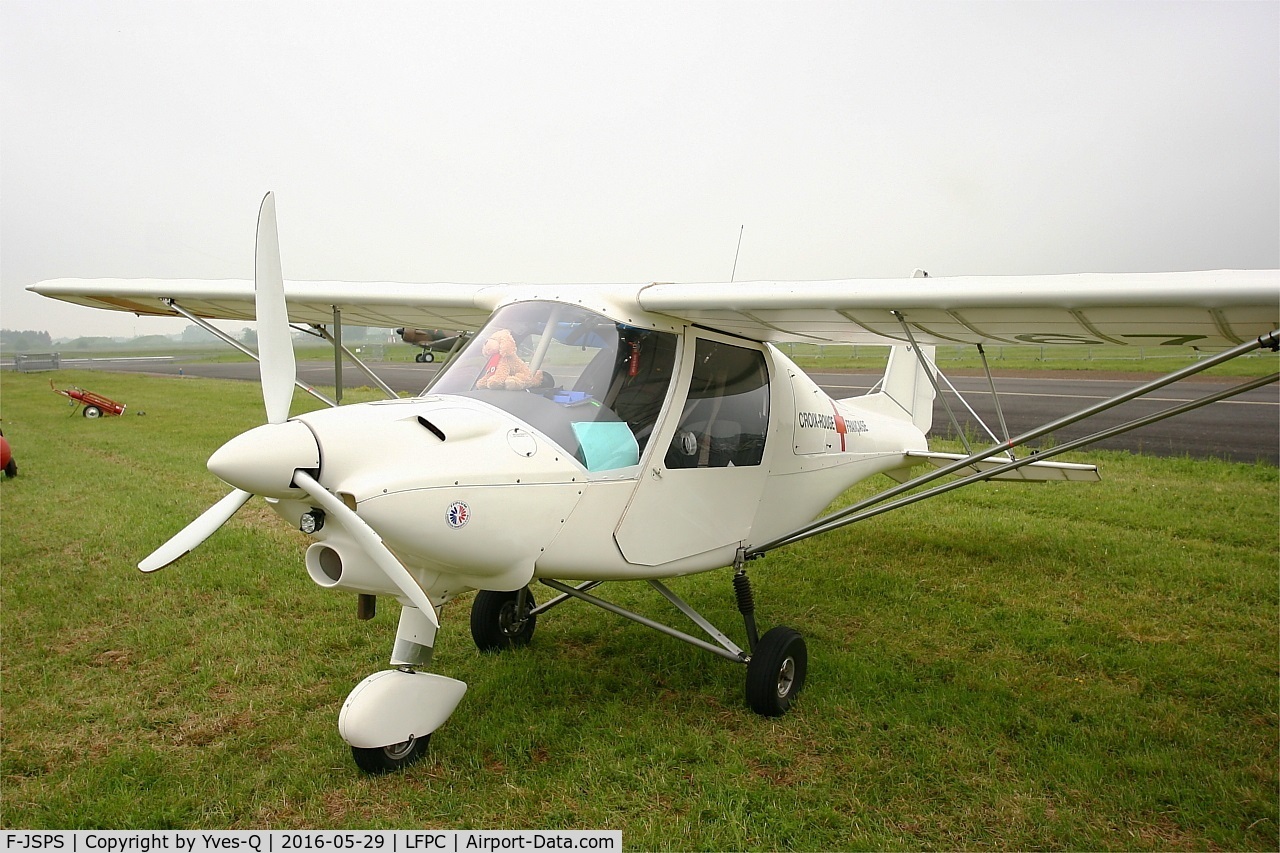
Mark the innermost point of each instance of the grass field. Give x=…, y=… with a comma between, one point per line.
x=1066, y=666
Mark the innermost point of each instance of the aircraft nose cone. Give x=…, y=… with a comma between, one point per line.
x=262, y=460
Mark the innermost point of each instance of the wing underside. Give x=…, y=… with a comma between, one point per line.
x=376, y=304
x=1201, y=309
x=1210, y=309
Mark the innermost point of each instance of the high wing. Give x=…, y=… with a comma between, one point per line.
x=1202, y=309
x=378, y=304
x=1211, y=309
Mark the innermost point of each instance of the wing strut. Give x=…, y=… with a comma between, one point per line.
x=218, y=333
x=933, y=380
x=458, y=343
x=867, y=508
x=726, y=648
x=324, y=333
x=995, y=398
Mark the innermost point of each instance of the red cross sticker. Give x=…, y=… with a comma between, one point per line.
x=840, y=426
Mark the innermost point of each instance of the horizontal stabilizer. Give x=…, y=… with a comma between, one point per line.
x=1031, y=472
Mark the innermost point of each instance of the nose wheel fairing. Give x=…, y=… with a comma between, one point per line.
x=397, y=706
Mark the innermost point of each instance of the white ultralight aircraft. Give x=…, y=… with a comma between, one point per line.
x=594, y=433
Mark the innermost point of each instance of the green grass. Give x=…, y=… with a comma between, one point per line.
x=1067, y=666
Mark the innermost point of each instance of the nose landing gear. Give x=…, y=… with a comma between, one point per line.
x=389, y=717
x=386, y=759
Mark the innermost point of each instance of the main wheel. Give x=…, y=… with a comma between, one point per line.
x=775, y=673
x=386, y=759
x=419, y=358
x=428, y=357
x=92, y=412
x=499, y=622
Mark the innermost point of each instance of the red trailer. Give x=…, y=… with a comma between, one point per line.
x=95, y=405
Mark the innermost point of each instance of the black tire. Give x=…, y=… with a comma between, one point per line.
x=418, y=358
x=776, y=671
x=387, y=759
x=428, y=357
x=92, y=412
x=496, y=622
x=11, y=470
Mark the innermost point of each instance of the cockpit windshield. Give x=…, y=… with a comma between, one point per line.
x=592, y=385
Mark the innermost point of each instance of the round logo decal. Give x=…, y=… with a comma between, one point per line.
x=457, y=515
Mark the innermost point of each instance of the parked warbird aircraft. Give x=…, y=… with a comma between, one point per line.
x=594, y=433
x=431, y=341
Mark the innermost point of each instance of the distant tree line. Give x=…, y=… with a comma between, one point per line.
x=13, y=341
x=195, y=335
x=25, y=340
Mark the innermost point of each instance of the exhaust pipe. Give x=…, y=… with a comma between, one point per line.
x=346, y=569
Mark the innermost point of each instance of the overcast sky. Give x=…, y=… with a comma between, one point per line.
x=609, y=141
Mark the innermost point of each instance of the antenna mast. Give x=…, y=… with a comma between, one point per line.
x=735, y=253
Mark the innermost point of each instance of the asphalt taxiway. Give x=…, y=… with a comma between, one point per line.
x=1245, y=428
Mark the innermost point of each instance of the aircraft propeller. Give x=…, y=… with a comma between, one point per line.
x=277, y=369
x=196, y=532
x=275, y=343
x=274, y=459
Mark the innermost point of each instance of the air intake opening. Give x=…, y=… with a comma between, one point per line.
x=432, y=428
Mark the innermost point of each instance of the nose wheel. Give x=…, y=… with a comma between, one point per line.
x=386, y=759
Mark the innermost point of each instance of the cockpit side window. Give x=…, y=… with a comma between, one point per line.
x=594, y=386
x=726, y=415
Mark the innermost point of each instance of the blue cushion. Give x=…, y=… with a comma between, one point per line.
x=606, y=444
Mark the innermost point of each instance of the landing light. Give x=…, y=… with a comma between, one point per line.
x=311, y=521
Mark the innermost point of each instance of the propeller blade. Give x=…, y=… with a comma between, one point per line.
x=275, y=343
x=196, y=532
x=370, y=541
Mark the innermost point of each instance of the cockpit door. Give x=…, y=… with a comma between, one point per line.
x=702, y=483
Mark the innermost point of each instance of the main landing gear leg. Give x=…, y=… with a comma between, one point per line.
x=779, y=659
x=776, y=662
x=389, y=717
x=502, y=620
